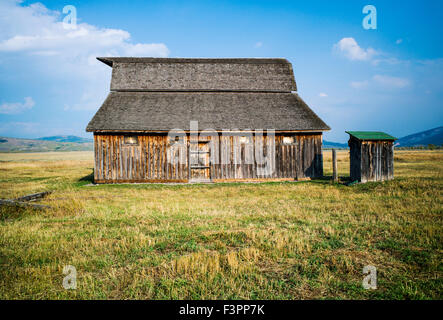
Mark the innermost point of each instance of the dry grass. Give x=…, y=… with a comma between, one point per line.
x=286, y=240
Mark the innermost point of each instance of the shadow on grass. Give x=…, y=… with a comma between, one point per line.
x=15, y=213
x=89, y=178
x=325, y=180
x=343, y=181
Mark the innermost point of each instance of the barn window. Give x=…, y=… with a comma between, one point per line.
x=244, y=139
x=173, y=140
x=288, y=140
x=131, y=140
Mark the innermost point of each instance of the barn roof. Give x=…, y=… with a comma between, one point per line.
x=160, y=94
x=177, y=74
x=370, y=135
x=160, y=111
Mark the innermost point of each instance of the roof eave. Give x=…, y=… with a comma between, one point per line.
x=109, y=60
x=105, y=61
x=187, y=131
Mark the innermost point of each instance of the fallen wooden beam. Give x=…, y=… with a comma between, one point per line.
x=7, y=202
x=33, y=196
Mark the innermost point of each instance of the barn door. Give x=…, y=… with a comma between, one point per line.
x=199, y=168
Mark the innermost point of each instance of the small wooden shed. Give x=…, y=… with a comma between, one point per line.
x=372, y=156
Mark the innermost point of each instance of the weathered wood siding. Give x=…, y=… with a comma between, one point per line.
x=355, y=159
x=229, y=159
x=371, y=160
x=145, y=162
x=301, y=159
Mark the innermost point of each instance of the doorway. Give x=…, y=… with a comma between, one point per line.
x=199, y=165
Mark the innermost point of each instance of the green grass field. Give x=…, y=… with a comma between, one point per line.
x=275, y=240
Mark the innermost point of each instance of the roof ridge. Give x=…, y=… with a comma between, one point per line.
x=203, y=90
x=110, y=60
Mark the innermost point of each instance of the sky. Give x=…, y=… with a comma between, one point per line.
x=385, y=78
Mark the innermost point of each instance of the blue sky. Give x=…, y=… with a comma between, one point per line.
x=388, y=79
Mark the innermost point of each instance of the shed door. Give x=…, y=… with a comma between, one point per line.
x=199, y=168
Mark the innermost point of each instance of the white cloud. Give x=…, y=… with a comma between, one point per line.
x=383, y=80
x=398, y=41
x=35, y=34
x=359, y=84
x=351, y=50
x=38, y=30
x=17, y=107
x=147, y=49
x=322, y=94
x=391, y=82
x=391, y=61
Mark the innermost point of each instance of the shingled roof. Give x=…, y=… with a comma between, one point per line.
x=160, y=94
x=173, y=74
x=158, y=111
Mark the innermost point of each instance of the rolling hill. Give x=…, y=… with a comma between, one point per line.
x=66, y=139
x=336, y=145
x=45, y=144
x=424, y=138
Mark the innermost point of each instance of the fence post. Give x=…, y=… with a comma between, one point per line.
x=334, y=165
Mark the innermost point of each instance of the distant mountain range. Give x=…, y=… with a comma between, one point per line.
x=74, y=143
x=66, y=139
x=56, y=143
x=424, y=138
x=336, y=145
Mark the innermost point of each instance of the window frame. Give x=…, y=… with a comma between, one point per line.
x=245, y=139
x=127, y=137
x=293, y=141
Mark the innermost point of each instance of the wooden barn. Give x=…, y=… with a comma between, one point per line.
x=372, y=156
x=201, y=120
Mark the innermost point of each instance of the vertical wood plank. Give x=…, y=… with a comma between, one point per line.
x=334, y=165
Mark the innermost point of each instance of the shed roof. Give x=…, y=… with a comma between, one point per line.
x=164, y=111
x=370, y=135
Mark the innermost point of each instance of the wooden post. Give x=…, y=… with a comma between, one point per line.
x=334, y=165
